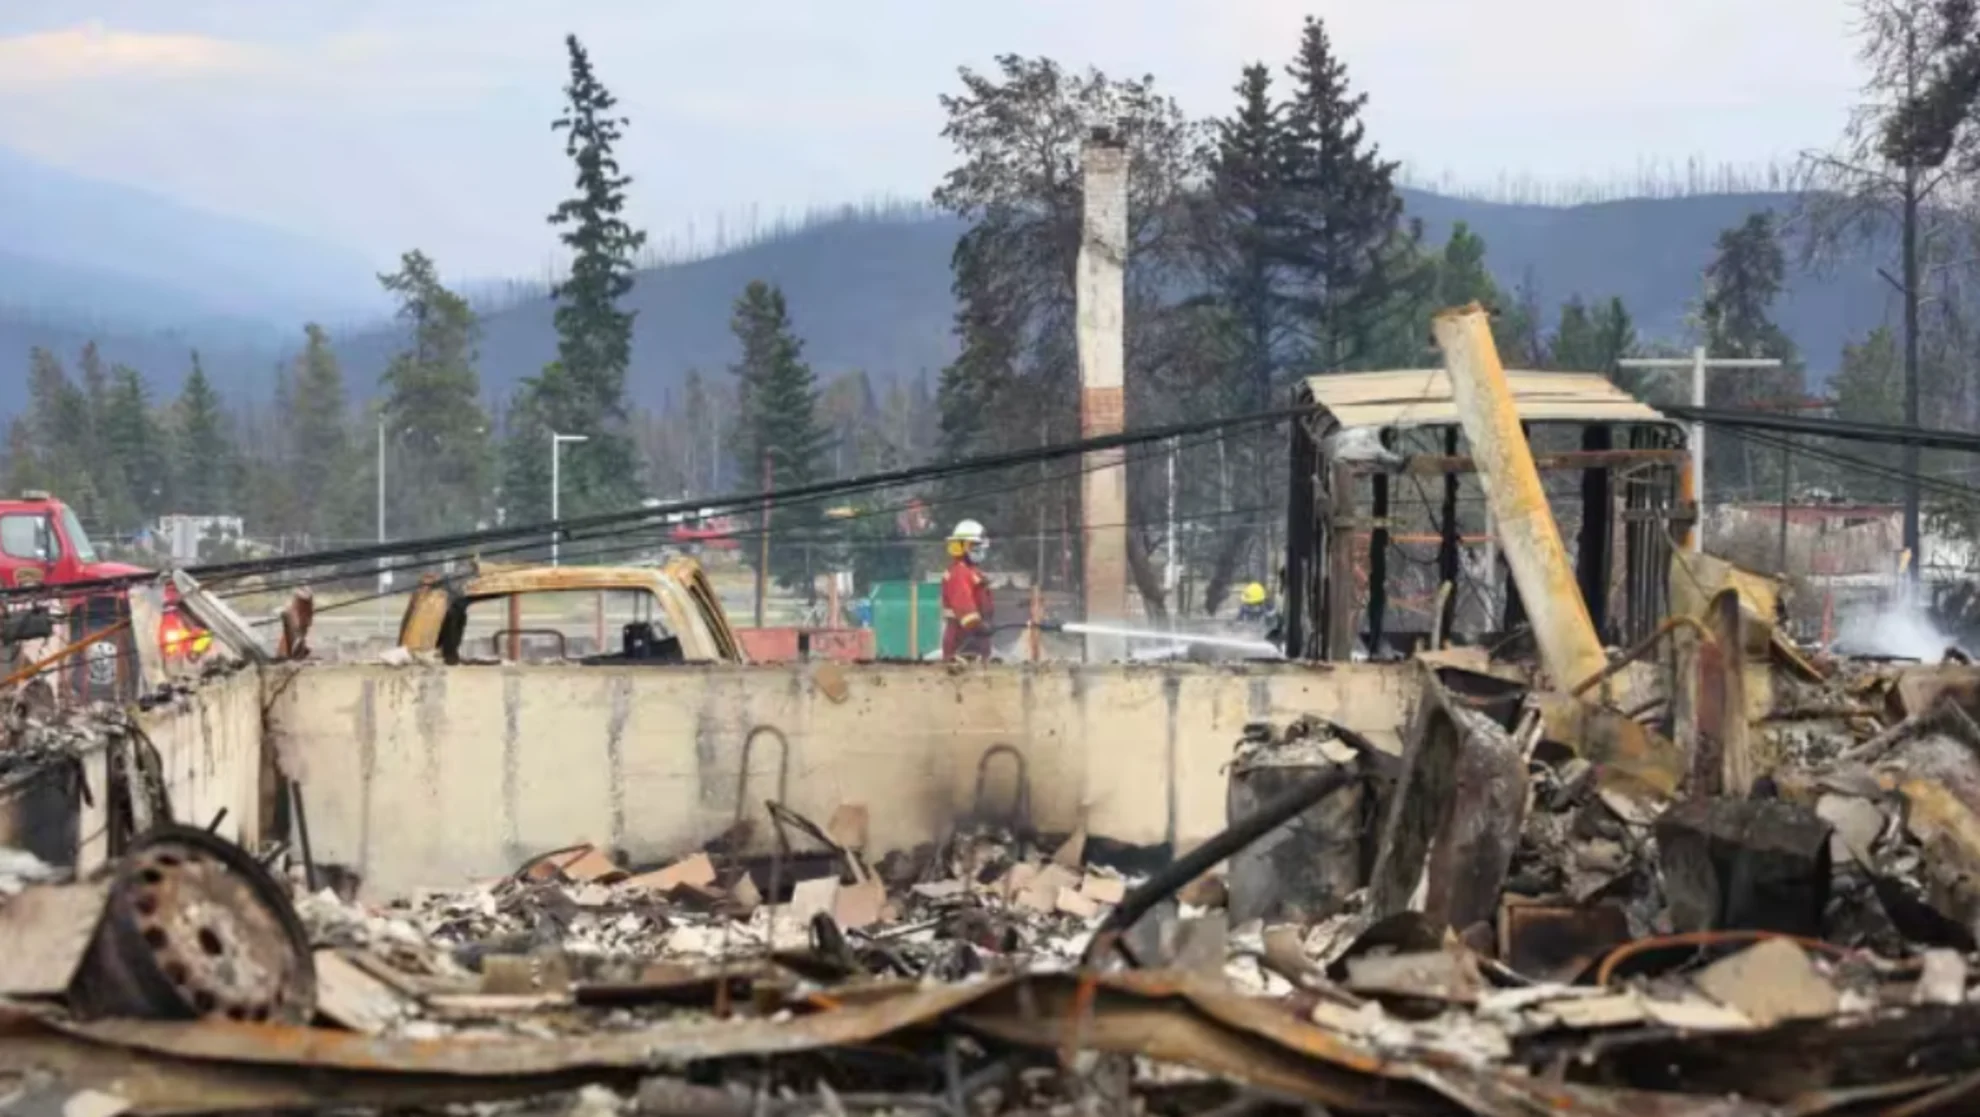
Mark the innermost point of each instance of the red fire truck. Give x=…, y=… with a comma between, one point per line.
x=42, y=543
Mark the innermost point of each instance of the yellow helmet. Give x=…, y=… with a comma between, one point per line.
x=1254, y=594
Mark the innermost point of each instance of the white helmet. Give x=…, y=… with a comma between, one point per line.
x=967, y=531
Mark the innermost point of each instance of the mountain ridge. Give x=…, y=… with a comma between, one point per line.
x=871, y=292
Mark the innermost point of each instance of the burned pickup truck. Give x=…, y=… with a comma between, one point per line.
x=506, y=614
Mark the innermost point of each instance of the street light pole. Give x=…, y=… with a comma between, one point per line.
x=556, y=487
x=1699, y=363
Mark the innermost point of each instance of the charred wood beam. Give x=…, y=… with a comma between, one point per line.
x=1593, y=559
x=1447, y=549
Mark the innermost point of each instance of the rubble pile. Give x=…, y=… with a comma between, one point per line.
x=1519, y=912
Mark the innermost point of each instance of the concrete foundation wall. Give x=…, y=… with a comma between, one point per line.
x=209, y=749
x=432, y=776
x=209, y=752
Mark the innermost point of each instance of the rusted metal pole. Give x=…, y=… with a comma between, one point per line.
x=1528, y=536
x=1101, y=335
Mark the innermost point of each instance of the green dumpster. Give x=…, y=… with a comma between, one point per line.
x=890, y=619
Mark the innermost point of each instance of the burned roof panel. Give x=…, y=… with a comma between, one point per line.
x=1422, y=397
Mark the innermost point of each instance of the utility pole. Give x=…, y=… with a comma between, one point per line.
x=1913, y=533
x=1913, y=536
x=1699, y=364
x=556, y=488
x=1102, y=337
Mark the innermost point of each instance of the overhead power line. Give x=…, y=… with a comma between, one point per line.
x=636, y=516
x=1847, y=429
x=654, y=534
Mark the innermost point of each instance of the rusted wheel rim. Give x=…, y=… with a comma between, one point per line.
x=212, y=935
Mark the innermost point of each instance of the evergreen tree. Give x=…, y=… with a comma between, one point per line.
x=436, y=430
x=1247, y=247
x=95, y=385
x=1614, y=338
x=1019, y=134
x=1742, y=282
x=583, y=391
x=1869, y=388
x=61, y=432
x=320, y=463
x=976, y=387
x=208, y=462
x=1347, y=247
x=699, y=434
x=138, y=456
x=1461, y=273
x=21, y=469
x=1590, y=339
x=779, y=426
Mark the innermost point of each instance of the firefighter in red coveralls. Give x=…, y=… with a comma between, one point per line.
x=967, y=610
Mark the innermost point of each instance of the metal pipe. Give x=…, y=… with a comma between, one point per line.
x=1082, y=628
x=1530, y=539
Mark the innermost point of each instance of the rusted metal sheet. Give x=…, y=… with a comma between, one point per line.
x=667, y=1044
x=1454, y=817
x=692, y=612
x=1555, y=942
x=1424, y=398
x=222, y=1066
x=1173, y=1018
x=1528, y=536
x=694, y=579
x=1920, y=688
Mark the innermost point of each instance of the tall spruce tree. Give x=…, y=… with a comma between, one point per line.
x=1735, y=314
x=1869, y=388
x=437, y=440
x=61, y=425
x=1346, y=246
x=779, y=431
x=137, y=451
x=1247, y=248
x=320, y=463
x=207, y=459
x=1591, y=339
x=584, y=391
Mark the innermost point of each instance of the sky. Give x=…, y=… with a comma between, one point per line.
x=383, y=125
